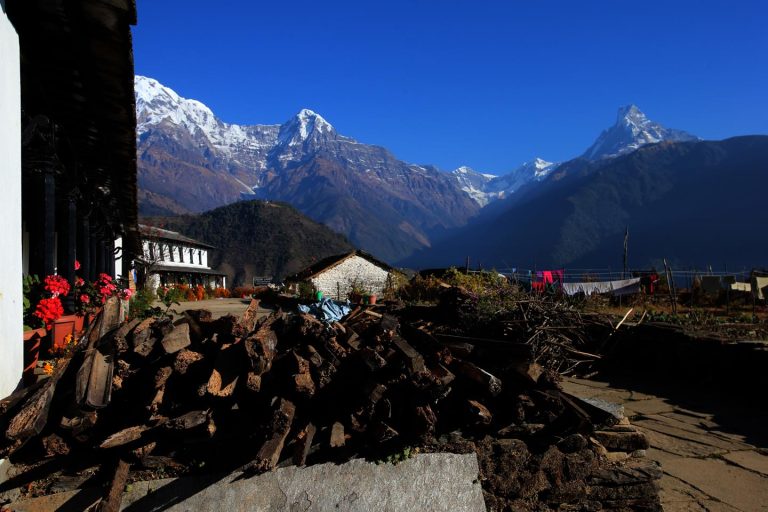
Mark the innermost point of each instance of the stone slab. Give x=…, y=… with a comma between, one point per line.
x=429, y=482
x=749, y=459
x=736, y=487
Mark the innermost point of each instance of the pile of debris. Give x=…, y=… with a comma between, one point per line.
x=254, y=393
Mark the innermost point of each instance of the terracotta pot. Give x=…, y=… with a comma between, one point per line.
x=372, y=299
x=79, y=323
x=32, y=342
x=65, y=325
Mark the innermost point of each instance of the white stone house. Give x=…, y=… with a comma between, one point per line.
x=338, y=276
x=172, y=258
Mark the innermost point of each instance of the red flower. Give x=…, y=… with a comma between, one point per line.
x=126, y=293
x=56, y=285
x=77, y=265
x=49, y=310
x=85, y=299
x=79, y=281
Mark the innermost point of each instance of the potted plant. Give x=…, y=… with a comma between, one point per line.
x=42, y=308
x=356, y=292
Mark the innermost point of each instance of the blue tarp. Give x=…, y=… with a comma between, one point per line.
x=327, y=310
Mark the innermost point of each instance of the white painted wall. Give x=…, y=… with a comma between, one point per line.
x=337, y=281
x=11, y=306
x=176, y=248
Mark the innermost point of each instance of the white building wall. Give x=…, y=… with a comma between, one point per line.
x=166, y=259
x=337, y=282
x=11, y=297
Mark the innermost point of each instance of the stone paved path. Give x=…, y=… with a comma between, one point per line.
x=707, y=466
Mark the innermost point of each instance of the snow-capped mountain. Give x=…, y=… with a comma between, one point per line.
x=192, y=161
x=485, y=188
x=631, y=131
x=474, y=183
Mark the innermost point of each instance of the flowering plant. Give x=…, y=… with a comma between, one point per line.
x=42, y=302
x=91, y=296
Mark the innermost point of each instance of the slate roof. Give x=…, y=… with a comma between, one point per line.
x=166, y=234
x=332, y=261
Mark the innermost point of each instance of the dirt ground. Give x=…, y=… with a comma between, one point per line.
x=217, y=307
x=713, y=451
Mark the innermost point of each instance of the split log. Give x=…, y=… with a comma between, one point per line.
x=176, y=339
x=142, y=340
x=413, y=359
x=269, y=453
x=162, y=375
x=337, y=435
x=303, y=444
x=114, y=497
x=93, y=387
x=261, y=348
x=487, y=381
x=125, y=436
x=253, y=382
x=247, y=322
x=479, y=413
x=185, y=359
x=226, y=371
x=33, y=415
x=302, y=378
x=121, y=335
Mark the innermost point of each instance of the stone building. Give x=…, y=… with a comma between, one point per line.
x=172, y=258
x=339, y=276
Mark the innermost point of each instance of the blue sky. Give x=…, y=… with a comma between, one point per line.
x=485, y=84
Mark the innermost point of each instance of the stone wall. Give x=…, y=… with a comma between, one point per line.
x=11, y=297
x=337, y=282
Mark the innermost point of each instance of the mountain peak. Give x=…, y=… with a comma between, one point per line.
x=630, y=111
x=631, y=130
x=304, y=125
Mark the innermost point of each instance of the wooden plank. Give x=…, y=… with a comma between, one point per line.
x=269, y=453
x=487, y=381
x=304, y=444
x=114, y=497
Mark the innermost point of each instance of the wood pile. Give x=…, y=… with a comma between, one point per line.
x=255, y=393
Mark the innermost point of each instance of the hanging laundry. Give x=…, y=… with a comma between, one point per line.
x=711, y=284
x=759, y=285
x=741, y=287
x=620, y=287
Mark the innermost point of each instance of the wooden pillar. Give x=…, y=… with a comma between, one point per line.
x=69, y=250
x=84, y=249
x=49, y=224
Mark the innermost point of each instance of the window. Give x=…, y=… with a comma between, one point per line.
x=181, y=255
x=170, y=251
x=191, y=255
x=200, y=256
x=151, y=247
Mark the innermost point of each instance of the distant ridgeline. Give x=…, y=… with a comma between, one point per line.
x=258, y=238
x=694, y=203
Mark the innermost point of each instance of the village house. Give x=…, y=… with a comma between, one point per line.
x=172, y=258
x=68, y=140
x=342, y=275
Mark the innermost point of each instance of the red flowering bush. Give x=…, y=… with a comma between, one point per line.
x=90, y=296
x=49, y=310
x=56, y=285
x=42, y=303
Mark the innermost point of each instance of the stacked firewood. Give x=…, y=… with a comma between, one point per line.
x=254, y=393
